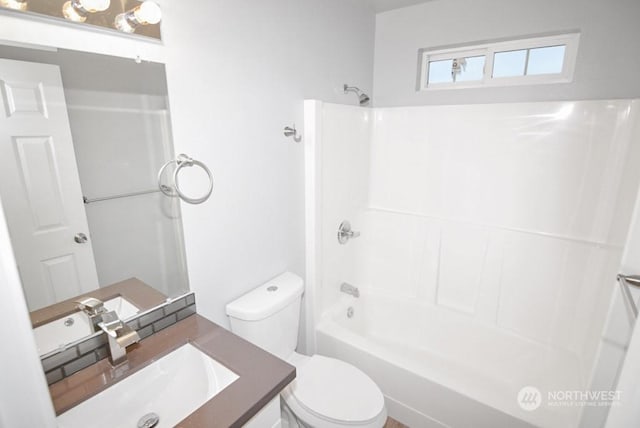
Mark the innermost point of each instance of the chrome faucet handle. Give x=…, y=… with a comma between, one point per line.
x=90, y=305
x=111, y=323
x=345, y=233
x=127, y=336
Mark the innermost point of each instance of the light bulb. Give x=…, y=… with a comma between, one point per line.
x=95, y=5
x=124, y=23
x=148, y=13
x=77, y=10
x=14, y=4
x=72, y=13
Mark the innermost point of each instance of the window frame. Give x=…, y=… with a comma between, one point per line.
x=569, y=40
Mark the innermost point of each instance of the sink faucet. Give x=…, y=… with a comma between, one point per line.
x=94, y=309
x=120, y=336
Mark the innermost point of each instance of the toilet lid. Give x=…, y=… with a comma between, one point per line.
x=332, y=389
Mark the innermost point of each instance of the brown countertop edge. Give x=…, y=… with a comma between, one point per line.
x=143, y=296
x=261, y=375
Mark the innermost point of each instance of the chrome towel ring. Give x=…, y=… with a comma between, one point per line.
x=182, y=161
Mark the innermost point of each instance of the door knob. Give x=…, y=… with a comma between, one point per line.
x=80, y=238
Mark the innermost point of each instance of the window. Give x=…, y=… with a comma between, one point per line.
x=518, y=62
x=460, y=69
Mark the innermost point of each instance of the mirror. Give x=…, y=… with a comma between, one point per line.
x=82, y=138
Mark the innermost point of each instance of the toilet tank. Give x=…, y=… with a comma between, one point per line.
x=269, y=315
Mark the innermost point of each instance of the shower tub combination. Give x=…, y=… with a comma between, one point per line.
x=490, y=236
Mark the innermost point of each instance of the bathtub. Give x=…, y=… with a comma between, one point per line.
x=439, y=368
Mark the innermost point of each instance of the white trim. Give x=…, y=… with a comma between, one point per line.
x=24, y=396
x=569, y=40
x=105, y=109
x=313, y=232
x=49, y=34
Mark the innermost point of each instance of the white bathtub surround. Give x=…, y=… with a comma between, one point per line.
x=491, y=236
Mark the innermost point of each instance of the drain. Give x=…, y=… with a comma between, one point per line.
x=68, y=322
x=350, y=312
x=149, y=420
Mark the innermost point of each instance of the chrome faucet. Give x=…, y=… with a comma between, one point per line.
x=345, y=233
x=120, y=336
x=94, y=308
x=350, y=289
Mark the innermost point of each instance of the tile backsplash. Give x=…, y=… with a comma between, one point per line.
x=83, y=354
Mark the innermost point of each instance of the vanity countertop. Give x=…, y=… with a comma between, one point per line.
x=261, y=375
x=143, y=296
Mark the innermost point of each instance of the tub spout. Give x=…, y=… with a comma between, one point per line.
x=350, y=289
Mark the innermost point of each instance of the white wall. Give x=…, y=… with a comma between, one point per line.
x=605, y=68
x=238, y=73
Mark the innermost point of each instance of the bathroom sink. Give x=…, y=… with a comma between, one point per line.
x=122, y=306
x=54, y=334
x=172, y=388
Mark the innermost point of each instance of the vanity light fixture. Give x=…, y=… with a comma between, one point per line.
x=147, y=13
x=78, y=10
x=14, y=4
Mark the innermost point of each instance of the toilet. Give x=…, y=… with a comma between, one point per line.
x=327, y=393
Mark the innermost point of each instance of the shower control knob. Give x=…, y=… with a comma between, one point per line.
x=345, y=233
x=81, y=238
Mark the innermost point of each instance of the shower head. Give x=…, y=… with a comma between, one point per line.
x=362, y=97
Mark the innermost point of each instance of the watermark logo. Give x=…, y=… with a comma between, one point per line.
x=529, y=398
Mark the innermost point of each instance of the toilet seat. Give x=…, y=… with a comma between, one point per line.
x=331, y=393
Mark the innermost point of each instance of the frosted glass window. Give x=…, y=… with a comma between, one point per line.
x=440, y=71
x=510, y=63
x=548, y=60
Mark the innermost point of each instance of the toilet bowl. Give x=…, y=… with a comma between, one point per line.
x=327, y=392
x=330, y=393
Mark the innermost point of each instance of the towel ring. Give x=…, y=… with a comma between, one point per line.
x=181, y=161
x=167, y=190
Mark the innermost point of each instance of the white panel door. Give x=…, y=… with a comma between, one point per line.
x=40, y=186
